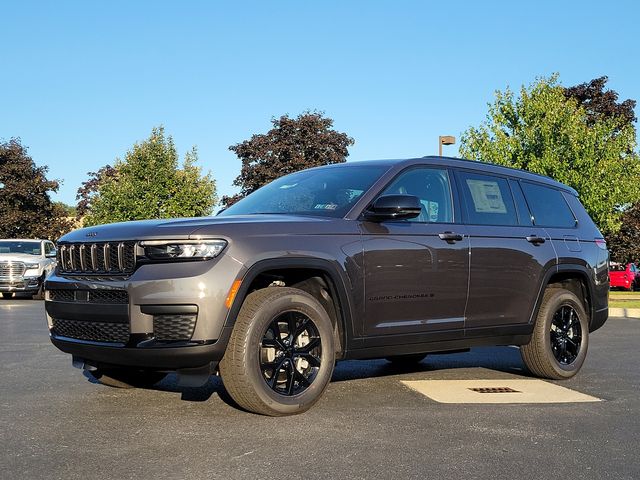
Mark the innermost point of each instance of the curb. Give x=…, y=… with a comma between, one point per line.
x=625, y=312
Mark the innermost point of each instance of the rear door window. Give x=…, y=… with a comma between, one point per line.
x=548, y=206
x=487, y=199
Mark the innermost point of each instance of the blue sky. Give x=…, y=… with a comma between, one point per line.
x=82, y=81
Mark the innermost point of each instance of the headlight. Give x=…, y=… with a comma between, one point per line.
x=183, y=249
x=30, y=266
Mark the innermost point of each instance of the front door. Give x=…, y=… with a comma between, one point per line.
x=417, y=270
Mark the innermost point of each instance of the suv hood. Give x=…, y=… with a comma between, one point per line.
x=185, y=228
x=20, y=257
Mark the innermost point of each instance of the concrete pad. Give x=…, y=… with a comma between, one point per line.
x=624, y=312
x=511, y=391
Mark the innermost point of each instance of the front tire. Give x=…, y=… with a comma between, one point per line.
x=560, y=339
x=281, y=355
x=7, y=295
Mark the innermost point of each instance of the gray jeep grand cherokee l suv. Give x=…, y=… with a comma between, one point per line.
x=361, y=260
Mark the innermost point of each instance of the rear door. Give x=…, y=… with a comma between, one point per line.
x=509, y=256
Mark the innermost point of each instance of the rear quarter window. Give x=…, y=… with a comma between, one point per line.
x=548, y=206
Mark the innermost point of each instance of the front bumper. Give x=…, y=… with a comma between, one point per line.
x=159, y=357
x=166, y=317
x=20, y=284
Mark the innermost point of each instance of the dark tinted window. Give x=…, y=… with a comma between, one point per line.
x=548, y=206
x=488, y=200
x=329, y=192
x=431, y=186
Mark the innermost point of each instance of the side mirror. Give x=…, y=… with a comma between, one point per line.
x=51, y=254
x=394, y=207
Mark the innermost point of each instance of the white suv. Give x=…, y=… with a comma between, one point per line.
x=24, y=264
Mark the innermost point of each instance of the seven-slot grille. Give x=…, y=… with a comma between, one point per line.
x=109, y=258
x=11, y=269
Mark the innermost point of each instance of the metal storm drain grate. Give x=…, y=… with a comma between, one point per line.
x=494, y=390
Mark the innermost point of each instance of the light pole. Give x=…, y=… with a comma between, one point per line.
x=445, y=140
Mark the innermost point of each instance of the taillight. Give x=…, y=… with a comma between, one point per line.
x=601, y=243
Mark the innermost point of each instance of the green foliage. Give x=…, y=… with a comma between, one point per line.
x=69, y=210
x=624, y=245
x=546, y=132
x=292, y=144
x=27, y=210
x=148, y=183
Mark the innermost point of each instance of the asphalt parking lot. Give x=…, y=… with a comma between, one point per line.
x=55, y=423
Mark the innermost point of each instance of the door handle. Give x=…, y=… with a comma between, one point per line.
x=535, y=239
x=450, y=237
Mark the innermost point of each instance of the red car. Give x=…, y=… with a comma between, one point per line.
x=624, y=276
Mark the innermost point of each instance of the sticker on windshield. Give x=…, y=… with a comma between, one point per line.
x=325, y=206
x=487, y=197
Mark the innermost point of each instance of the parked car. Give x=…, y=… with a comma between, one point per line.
x=24, y=263
x=360, y=260
x=624, y=276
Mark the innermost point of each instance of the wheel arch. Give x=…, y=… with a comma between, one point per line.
x=308, y=274
x=573, y=277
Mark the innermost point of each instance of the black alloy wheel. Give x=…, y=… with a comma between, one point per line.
x=560, y=340
x=566, y=335
x=290, y=353
x=281, y=353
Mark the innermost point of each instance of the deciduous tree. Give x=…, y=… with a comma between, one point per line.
x=149, y=183
x=546, y=132
x=599, y=103
x=292, y=144
x=27, y=209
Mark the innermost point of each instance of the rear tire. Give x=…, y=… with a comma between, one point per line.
x=560, y=339
x=127, y=378
x=281, y=355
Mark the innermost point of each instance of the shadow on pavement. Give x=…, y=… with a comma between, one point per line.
x=501, y=359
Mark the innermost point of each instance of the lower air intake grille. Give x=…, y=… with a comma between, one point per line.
x=92, y=331
x=118, y=297
x=173, y=327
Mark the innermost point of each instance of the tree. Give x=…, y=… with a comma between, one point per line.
x=292, y=144
x=89, y=189
x=148, y=183
x=548, y=133
x=624, y=245
x=27, y=210
x=600, y=104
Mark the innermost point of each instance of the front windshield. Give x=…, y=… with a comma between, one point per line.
x=328, y=192
x=14, y=246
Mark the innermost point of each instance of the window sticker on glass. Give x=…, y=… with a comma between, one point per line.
x=486, y=195
x=433, y=211
x=325, y=206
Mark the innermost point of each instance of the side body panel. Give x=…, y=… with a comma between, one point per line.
x=414, y=281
